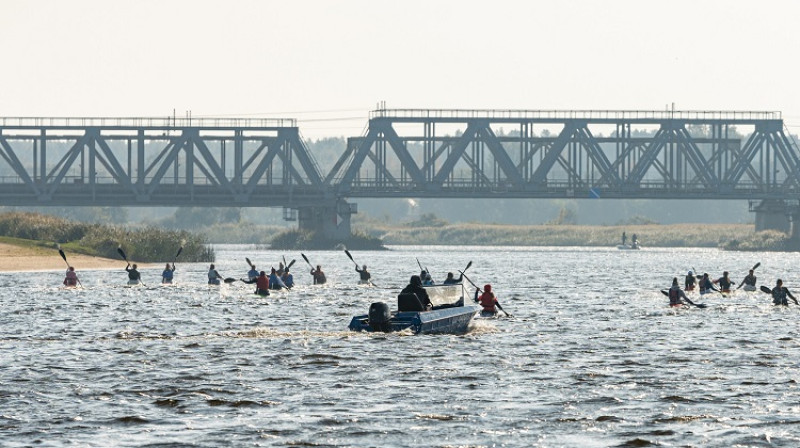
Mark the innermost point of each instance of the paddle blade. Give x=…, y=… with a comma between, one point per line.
x=765, y=289
x=290, y=263
x=179, y=252
x=249, y=263
x=349, y=256
x=468, y=265
x=700, y=305
x=756, y=265
x=229, y=280
x=61, y=252
x=665, y=292
x=305, y=258
x=122, y=253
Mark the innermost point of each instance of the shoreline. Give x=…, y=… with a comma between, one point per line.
x=15, y=258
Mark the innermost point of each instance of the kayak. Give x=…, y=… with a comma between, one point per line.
x=749, y=288
x=628, y=247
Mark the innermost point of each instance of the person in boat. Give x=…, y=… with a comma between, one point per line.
x=134, y=277
x=706, y=286
x=779, y=294
x=451, y=280
x=364, y=274
x=288, y=278
x=167, y=274
x=319, y=276
x=275, y=281
x=724, y=283
x=428, y=280
x=280, y=269
x=262, y=284
x=750, y=281
x=676, y=294
x=213, y=276
x=415, y=286
x=689, y=282
x=71, y=278
x=488, y=301
x=252, y=274
x=624, y=238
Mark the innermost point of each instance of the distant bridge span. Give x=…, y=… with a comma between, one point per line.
x=404, y=153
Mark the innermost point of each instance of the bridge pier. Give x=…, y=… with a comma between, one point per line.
x=332, y=222
x=772, y=215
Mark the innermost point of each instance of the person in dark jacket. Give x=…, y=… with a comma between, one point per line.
x=779, y=294
x=415, y=286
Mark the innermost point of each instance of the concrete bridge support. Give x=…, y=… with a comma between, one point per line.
x=333, y=222
x=772, y=215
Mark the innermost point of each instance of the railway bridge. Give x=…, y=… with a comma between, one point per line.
x=405, y=153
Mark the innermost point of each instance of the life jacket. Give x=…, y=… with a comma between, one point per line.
x=487, y=301
x=72, y=279
x=675, y=296
x=167, y=274
x=262, y=282
x=779, y=296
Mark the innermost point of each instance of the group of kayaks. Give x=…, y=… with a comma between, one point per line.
x=723, y=286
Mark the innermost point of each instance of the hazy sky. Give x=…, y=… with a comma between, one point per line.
x=325, y=62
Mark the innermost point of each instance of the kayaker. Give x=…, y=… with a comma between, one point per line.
x=252, y=274
x=71, y=278
x=288, y=278
x=779, y=293
x=705, y=285
x=167, y=274
x=213, y=276
x=488, y=301
x=451, y=280
x=675, y=293
x=428, y=280
x=624, y=238
x=364, y=274
x=275, y=281
x=724, y=283
x=134, y=277
x=689, y=282
x=415, y=286
x=280, y=269
x=262, y=284
x=319, y=276
x=749, y=281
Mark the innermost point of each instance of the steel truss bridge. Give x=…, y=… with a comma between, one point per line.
x=404, y=153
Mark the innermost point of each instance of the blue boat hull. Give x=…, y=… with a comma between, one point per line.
x=453, y=320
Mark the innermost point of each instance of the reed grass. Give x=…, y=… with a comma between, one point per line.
x=148, y=244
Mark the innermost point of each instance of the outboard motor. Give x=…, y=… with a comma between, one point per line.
x=379, y=316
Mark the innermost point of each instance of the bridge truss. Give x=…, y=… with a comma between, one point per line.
x=570, y=154
x=156, y=161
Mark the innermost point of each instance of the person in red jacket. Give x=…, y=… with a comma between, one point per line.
x=71, y=279
x=262, y=284
x=488, y=301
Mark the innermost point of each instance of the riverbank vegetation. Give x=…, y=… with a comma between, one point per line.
x=146, y=244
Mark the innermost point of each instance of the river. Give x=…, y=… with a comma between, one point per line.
x=592, y=357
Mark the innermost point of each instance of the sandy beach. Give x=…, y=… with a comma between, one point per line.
x=16, y=258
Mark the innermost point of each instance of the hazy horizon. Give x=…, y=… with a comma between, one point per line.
x=328, y=64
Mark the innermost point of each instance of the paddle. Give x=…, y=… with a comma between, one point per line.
x=769, y=291
x=699, y=305
x=229, y=280
x=249, y=263
x=290, y=264
x=350, y=257
x=306, y=258
x=479, y=289
x=64, y=256
x=176, y=255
